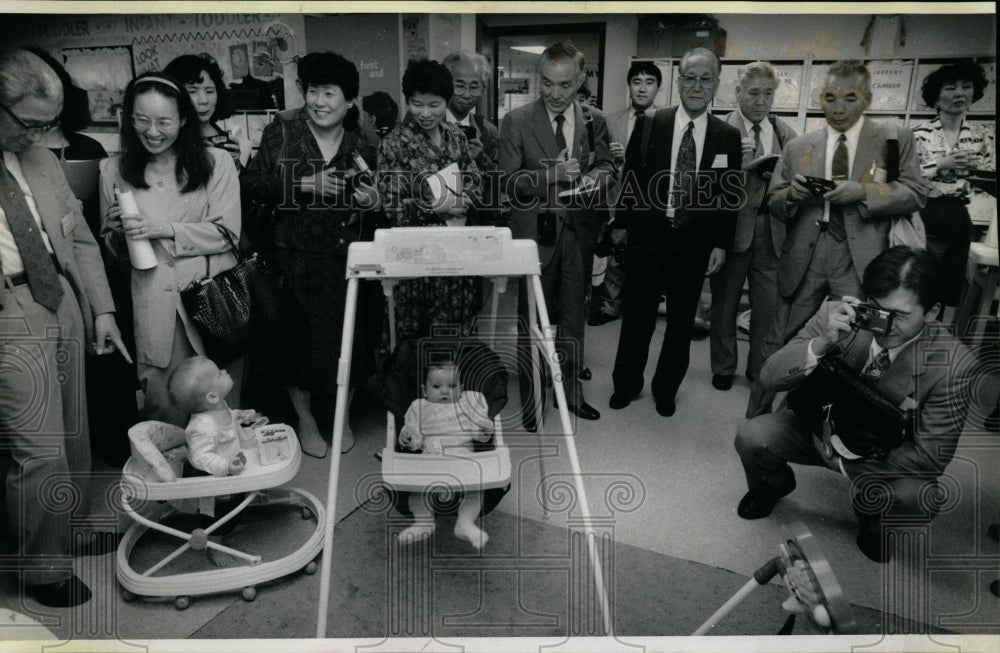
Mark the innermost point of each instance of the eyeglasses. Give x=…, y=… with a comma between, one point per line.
x=32, y=130
x=691, y=80
x=142, y=123
x=475, y=88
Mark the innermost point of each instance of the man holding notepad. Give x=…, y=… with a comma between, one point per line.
x=758, y=240
x=547, y=158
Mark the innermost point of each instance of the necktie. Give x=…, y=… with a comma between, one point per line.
x=840, y=170
x=877, y=367
x=637, y=127
x=560, y=137
x=683, y=179
x=758, y=150
x=43, y=280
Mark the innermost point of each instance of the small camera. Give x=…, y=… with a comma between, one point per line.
x=219, y=140
x=469, y=131
x=819, y=186
x=872, y=318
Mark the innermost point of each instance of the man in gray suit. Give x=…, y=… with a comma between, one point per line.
x=644, y=79
x=872, y=174
x=917, y=365
x=54, y=303
x=758, y=238
x=545, y=150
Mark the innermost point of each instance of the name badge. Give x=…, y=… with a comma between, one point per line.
x=879, y=175
x=68, y=224
x=720, y=161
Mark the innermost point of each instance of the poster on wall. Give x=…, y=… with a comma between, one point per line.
x=104, y=72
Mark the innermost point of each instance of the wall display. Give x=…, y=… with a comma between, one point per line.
x=890, y=84
x=103, y=72
x=239, y=61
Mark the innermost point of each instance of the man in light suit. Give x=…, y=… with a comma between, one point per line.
x=833, y=235
x=917, y=365
x=679, y=228
x=545, y=150
x=758, y=238
x=644, y=79
x=54, y=303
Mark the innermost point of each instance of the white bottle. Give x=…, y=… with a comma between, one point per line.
x=140, y=252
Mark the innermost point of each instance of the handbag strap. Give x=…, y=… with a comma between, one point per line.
x=230, y=238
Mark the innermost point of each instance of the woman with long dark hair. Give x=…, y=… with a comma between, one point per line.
x=184, y=192
x=311, y=155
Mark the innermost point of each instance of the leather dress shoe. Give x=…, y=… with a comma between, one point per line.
x=585, y=411
x=601, y=319
x=666, y=407
x=620, y=400
x=585, y=374
x=870, y=543
x=760, y=500
x=722, y=381
x=61, y=594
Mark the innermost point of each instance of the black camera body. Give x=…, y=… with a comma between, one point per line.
x=819, y=186
x=872, y=318
x=469, y=130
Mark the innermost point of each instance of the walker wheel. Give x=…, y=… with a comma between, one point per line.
x=249, y=593
x=127, y=596
x=310, y=568
x=307, y=512
x=182, y=602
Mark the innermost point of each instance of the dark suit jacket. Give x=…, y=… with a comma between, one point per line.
x=718, y=185
x=931, y=375
x=527, y=149
x=866, y=223
x=756, y=187
x=75, y=248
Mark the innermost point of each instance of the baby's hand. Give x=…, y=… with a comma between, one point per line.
x=237, y=464
x=410, y=438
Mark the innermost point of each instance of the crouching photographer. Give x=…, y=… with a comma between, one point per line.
x=877, y=392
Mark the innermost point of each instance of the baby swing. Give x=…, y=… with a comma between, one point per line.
x=413, y=252
x=153, y=474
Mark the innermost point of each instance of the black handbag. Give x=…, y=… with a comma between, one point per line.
x=238, y=307
x=867, y=423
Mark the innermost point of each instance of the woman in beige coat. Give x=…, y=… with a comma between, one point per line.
x=183, y=190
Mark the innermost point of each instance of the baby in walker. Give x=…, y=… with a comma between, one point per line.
x=198, y=387
x=446, y=417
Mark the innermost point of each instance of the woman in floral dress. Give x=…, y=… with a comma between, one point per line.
x=423, y=144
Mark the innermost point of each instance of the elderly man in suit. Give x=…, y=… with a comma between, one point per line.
x=758, y=237
x=644, y=79
x=680, y=227
x=54, y=303
x=832, y=235
x=916, y=365
x=544, y=151
x=470, y=75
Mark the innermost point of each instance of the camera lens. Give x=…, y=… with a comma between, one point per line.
x=861, y=319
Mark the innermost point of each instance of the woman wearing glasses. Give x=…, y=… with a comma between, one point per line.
x=184, y=190
x=423, y=144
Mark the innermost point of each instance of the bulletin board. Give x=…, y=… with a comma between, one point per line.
x=103, y=72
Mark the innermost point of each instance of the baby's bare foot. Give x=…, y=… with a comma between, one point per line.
x=219, y=558
x=471, y=533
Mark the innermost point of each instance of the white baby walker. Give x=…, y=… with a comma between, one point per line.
x=415, y=252
x=153, y=474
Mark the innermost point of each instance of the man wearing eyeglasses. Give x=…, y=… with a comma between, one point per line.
x=872, y=174
x=680, y=227
x=54, y=301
